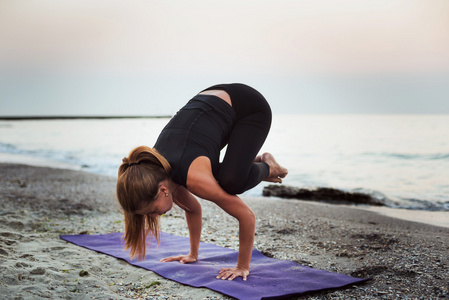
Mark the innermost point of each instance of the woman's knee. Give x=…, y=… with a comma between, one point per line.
x=264, y=116
x=231, y=186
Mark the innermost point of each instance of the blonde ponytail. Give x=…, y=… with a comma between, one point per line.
x=138, y=181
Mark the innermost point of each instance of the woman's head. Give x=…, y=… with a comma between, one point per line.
x=138, y=185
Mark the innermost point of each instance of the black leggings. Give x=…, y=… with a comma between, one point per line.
x=238, y=171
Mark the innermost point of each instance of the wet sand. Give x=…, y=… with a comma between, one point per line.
x=37, y=204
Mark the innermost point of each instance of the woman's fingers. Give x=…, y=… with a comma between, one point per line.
x=181, y=258
x=232, y=273
x=171, y=258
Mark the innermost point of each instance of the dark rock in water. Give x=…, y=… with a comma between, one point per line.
x=320, y=194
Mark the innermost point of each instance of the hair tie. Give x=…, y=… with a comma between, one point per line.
x=133, y=163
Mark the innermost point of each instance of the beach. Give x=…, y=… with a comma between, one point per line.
x=37, y=204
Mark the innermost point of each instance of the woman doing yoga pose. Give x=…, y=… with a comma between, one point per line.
x=185, y=162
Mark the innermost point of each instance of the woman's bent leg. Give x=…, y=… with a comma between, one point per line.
x=238, y=171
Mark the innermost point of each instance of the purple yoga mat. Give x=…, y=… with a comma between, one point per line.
x=269, y=278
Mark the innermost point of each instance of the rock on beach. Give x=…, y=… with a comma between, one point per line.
x=320, y=194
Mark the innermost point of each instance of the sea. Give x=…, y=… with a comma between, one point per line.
x=401, y=159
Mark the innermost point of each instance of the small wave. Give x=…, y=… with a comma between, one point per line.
x=406, y=203
x=40, y=155
x=104, y=165
x=8, y=148
x=435, y=156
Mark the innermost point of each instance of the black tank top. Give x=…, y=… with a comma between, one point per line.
x=201, y=128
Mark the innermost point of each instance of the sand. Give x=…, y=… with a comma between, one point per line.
x=37, y=204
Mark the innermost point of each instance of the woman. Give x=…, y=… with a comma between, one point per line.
x=185, y=162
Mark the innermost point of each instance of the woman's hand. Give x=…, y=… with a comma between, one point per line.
x=231, y=273
x=184, y=259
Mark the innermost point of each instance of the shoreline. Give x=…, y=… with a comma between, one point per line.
x=434, y=218
x=37, y=204
x=20, y=159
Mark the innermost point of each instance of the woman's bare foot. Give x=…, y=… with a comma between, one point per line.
x=277, y=172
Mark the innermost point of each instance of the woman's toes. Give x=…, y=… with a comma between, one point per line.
x=276, y=171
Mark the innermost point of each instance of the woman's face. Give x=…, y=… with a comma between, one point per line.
x=160, y=206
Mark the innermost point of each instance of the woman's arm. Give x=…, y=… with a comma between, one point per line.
x=184, y=199
x=201, y=182
x=247, y=224
x=194, y=218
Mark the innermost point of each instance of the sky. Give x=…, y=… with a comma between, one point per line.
x=109, y=57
